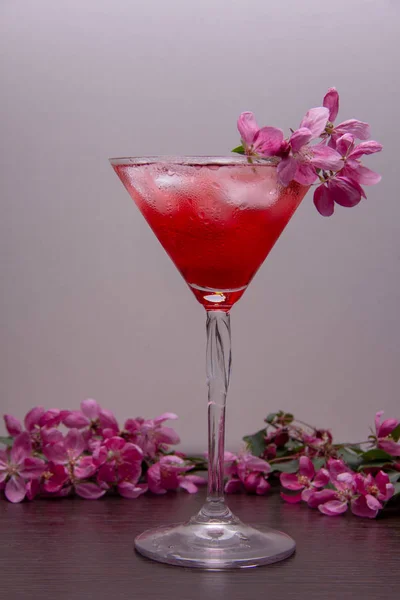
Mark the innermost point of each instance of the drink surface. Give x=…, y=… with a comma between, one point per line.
x=217, y=222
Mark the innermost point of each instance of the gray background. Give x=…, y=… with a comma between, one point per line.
x=90, y=304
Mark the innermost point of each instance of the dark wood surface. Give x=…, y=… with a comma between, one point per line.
x=75, y=549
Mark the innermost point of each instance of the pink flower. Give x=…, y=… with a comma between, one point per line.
x=69, y=453
x=301, y=163
x=306, y=481
x=358, y=129
x=384, y=434
x=91, y=415
x=151, y=435
x=247, y=472
x=55, y=477
x=373, y=491
x=39, y=423
x=344, y=187
x=18, y=467
x=267, y=141
x=120, y=465
x=170, y=473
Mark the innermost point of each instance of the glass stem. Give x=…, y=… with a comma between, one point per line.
x=218, y=360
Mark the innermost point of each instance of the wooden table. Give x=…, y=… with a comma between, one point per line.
x=75, y=549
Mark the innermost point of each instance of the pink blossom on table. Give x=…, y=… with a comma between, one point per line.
x=13, y=425
x=150, y=434
x=98, y=420
x=301, y=162
x=358, y=129
x=267, y=141
x=305, y=482
x=69, y=452
x=373, y=492
x=55, y=477
x=334, y=502
x=171, y=473
x=18, y=467
x=384, y=432
x=247, y=472
x=117, y=460
x=39, y=423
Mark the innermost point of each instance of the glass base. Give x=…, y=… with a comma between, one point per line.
x=215, y=544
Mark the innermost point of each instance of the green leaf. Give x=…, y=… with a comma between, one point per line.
x=318, y=462
x=238, y=149
x=373, y=463
x=376, y=454
x=256, y=442
x=7, y=441
x=396, y=433
x=291, y=466
x=350, y=457
x=270, y=418
x=396, y=489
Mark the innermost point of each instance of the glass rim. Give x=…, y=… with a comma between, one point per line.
x=239, y=159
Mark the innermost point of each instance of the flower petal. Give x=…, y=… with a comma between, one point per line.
x=321, y=479
x=233, y=486
x=106, y=473
x=32, y=488
x=344, y=191
x=306, y=467
x=13, y=426
x=33, y=417
x=91, y=409
x=21, y=448
x=268, y=141
x=372, y=502
x=360, y=508
x=331, y=102
x=300, y=138
x=167, y=435
x=333, y=508
x=291, y=498
x=89, y=491
x=345, y=144
x=154, y=479
x=247, y=127
x=188, y=485
x=315, y=120
x=326, y=158
x=323, y=201
x=131, y=490
x=358, y=129
x=74, y=443
x=15, y=490
x=321, y=497
x=56, y=477
x=305, y=174
x=51, y=418
x=75, y=419
x=254, y=463
x=369, y=147
x=56, y=452
x=290, y=481
x=378, y=417
x=85, y=468
x=32, y=467
x=108, y=420
x=286, y=170
x=165, y=417
x=389, y=446
x=263, y=487
x=387, y=427
x=362, y=175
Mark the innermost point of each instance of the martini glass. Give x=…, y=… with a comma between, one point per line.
x=217, y=218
